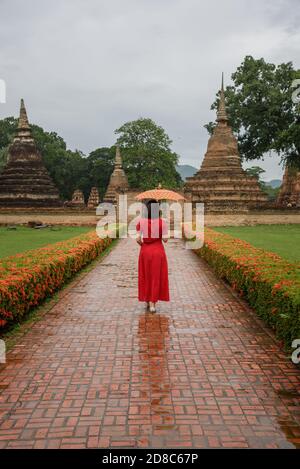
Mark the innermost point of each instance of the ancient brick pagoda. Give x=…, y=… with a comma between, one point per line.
x=221, y=183
x=25, y=182
x=118, y=183
x=289, y=194
x=77, y=199
x=94, y=198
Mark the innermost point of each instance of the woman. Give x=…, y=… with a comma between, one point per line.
x=153, y=267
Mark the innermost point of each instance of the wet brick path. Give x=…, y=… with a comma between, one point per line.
x=98, y=371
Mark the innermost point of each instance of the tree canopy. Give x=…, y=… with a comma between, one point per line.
x=262, y=112
x=147, y=157
x=100, y=164
x=257, y=172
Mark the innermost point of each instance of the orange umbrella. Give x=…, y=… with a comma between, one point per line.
x=160, y=194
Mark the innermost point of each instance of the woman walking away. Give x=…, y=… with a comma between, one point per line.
x=153, y=280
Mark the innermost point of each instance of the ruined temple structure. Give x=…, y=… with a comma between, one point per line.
x=94, y=198
x=25, y=182
x=118, y=183
x=221, y=183
x=289, y=194
x=77, y=199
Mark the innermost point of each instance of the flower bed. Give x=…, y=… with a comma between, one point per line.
x=269, y=283
x=28, y=278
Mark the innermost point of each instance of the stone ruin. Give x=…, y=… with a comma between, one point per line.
x=25, y=182
x=94, y=198
x=118, y=183
x=289, y=194
x=221, y=183
x=77, y=199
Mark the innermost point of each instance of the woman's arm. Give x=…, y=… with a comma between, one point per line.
x=165, y=231
x=139, y=236
x=139, y=239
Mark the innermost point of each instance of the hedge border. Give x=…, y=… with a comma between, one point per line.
x=28, y=278
x=269, y=283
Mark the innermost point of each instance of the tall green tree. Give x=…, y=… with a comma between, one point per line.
x=100, y=164
x=255, y=171
x=7, y=130
x=262, y=112
x=67, y=168
x=147, y=156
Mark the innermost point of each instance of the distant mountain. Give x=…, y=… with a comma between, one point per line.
x=185, y=170
x=274, y=183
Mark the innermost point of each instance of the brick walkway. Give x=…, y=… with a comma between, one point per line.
x=98, y=371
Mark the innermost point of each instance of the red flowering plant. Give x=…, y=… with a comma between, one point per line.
x=269, y=283
x=28, y=278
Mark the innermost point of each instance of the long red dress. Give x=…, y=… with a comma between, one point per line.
x=153, y=266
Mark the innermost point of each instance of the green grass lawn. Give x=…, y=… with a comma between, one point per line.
x=23, y=238
x=281, y=239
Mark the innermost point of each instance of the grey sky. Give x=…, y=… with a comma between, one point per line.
x=84, y=67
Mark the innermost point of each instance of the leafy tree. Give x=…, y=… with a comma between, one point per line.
x=255, y=171
x=67, y=168
x=262, y=112
x=100, y=163
x=3, y=157
x=272, y=192
x=148, y=159
x=7, y=130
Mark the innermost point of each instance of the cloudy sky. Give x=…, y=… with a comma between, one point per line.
x=84, y=67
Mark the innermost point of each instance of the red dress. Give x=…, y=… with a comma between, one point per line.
x=153, y=266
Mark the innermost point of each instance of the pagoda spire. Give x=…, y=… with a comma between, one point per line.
x=23, y=119
x=118, y=182
x=222, y=114
x=23, y=132
x=118, y=158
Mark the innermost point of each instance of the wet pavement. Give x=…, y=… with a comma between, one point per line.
x=98, y=371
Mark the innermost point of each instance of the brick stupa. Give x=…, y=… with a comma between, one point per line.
x=118, y=183
x=77, y=199
x=94, y=198
x=221, y=183
x=25, y=182
x=289, y=194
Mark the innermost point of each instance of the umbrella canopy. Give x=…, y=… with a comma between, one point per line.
x=160, y=194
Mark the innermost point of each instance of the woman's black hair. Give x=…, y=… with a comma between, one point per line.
x=152, y=206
